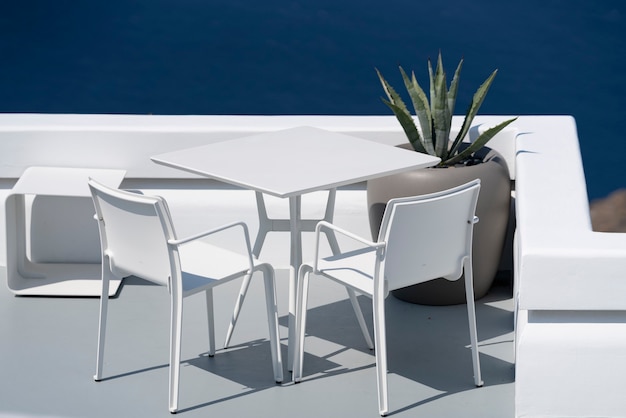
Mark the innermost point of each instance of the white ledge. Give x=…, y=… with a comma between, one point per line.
x=561, y=263
x=569, y=280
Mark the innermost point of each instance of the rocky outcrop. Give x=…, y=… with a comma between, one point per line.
x=609, y=214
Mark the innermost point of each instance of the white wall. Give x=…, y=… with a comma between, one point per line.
x=127, y=142
x=570, y=284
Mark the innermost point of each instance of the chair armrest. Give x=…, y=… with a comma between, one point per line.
x=327, y=225
x=212, y=231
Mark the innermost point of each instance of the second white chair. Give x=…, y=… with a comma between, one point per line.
x=421, y=238
x=138, y=238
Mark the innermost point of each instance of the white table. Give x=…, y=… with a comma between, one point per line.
x=62, y=257
x=288, y=164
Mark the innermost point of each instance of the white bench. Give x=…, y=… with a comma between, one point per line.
x=570, y=283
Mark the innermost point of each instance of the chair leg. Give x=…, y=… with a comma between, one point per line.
x=334, y=247
x=360, y=317
x=380, y=337
x=176, y=331
x=210, y=320
x=471, y=314
x=265, y=226
x=302, y=290
x=238, y=304
x=104, y=308
x=272, y=320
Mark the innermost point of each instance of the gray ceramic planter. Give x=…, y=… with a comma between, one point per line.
x=489, y=233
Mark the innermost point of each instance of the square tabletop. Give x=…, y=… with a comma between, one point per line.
x=295, y=161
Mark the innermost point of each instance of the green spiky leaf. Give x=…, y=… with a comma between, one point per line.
x=408, y=125
x=477, y=101
x=440, y=113
x=431, y=78
x=392, y=95
x=454, y=87
x=480, y=142
x=420, y=104
x=435, y=115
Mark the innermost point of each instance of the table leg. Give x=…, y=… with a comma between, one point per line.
x=334, y=247
x=265, y=226
x=295, y=225
x=328, y=217
x=295, y=215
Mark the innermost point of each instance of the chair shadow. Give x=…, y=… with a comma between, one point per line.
x=248, y=364
x=425, y=344
x=133, y=372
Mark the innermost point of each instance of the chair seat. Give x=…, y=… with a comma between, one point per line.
x=353, y=268
x=205, y=265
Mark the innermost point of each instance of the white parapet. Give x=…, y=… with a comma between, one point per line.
x=127, y=142
x=570, y=284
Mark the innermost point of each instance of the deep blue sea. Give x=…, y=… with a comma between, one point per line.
x=318, y=57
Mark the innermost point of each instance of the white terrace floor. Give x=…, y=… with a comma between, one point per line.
x=48, y=347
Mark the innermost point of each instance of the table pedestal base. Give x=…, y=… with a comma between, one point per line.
x=295, y=225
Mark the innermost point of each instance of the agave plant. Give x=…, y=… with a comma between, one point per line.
x=435, y=118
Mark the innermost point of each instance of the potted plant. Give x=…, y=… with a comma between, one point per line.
x=461, y=161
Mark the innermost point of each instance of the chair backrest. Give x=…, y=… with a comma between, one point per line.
x=134, y=230
x=428, y=236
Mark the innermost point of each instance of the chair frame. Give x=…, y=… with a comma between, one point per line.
x=378, y=287
x=175, y=280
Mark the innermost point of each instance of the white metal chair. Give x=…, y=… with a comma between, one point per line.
x=421, y=238
x=138, y=238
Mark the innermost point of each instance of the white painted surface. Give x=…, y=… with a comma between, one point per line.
x=52, y=245
x=570, y=284
x=128, y=141
x=569, y=280
x=295, y=161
